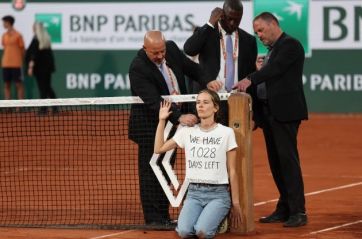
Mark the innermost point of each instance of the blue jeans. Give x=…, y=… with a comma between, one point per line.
x=203, y=210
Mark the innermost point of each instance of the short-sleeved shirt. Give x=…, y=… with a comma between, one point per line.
x=205, y=153
x=13, y=54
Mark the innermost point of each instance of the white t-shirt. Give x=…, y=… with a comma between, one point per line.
x=205, y=153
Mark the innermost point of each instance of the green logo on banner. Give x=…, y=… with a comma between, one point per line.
x=53, y=22
x=293, y=18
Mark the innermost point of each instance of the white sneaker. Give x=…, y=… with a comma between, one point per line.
x=224, y=226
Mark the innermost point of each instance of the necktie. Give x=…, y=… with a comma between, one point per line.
x=266, y=59
x=229, y=81
x=165, y=76
x=261, y=88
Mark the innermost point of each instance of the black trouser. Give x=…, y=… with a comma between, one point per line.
x=44, y=86
x=155, y=204
x=45, y=89
x=281, y=143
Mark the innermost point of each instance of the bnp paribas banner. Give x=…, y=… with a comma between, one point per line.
x=95, y=42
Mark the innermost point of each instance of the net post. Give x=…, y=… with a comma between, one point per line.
x=240, y=113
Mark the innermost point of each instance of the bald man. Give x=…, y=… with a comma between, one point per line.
x=159, y=68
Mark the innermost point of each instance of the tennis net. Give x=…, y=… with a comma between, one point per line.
x=70, y=163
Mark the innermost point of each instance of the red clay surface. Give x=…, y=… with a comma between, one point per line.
x=330, y=152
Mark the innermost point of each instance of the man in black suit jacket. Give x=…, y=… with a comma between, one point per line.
x=279, y=106
x=158, y=69
x=209, y=43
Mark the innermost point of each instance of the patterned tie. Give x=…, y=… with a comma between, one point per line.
x=229, y=81
x=165, y=76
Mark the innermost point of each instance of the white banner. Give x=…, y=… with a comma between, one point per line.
x=114, y=25
x=335, y=24
x=121, y=26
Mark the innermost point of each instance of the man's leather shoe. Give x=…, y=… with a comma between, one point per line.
x=274, y=217
x=296, y=220
x=162, y=225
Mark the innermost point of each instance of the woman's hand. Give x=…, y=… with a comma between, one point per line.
x=164, y=110
x=30, y=71
x=235, y=216
x=30, y=68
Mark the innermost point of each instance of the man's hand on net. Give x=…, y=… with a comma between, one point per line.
x=242, y=85
x=214, y=85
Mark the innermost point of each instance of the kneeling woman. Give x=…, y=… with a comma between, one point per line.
x=210, y=150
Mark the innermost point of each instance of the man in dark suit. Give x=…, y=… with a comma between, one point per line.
x=279, y=106
x=210, y=42
x=158, y=69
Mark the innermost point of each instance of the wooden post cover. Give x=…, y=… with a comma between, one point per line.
x=240, y=112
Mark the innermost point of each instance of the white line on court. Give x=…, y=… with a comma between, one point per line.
x=329, y=176
x=265, y=202
x=313, y=193
x=333, y=228
x=113, y=234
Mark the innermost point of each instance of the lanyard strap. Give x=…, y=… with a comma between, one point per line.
x=172, y=80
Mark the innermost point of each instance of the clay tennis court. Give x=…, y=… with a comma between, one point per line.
x=330, y=151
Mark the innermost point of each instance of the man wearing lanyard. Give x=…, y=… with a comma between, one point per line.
x=226, y=53
x=159, y=68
